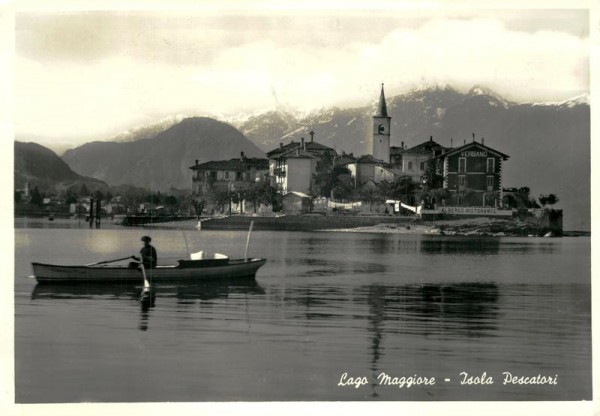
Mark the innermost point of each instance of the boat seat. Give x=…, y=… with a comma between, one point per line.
x=197, y=256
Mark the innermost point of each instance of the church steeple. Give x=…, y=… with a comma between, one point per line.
x=381, y=131
x=381, y=108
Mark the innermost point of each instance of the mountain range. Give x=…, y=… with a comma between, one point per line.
x=161, y=161
x=43, y=168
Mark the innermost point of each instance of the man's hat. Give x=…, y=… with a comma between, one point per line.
x=146, y=238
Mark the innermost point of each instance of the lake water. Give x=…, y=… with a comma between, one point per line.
x=325, y=304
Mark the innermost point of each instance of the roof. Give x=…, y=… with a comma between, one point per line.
x=368, y=159
x=293, y=146
x=234, y=164
x=345, y=160
x=474, y=144
x=300, y=194
x=381, y=107
x=293, y=154
x=424, y=148
x=395, y=150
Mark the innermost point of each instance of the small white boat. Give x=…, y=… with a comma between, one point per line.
x=190, y=271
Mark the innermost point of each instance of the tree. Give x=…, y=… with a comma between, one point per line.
x=431, y=177
x=370, y=194
x=327, y=177
x=98, y=195
x=549, y=199
x=36, y=197
x=83, y=191
x=260, y=193
x=219, y=197
x=343, y=191
x=70, y=196
x=198, y=205
x=524, y=190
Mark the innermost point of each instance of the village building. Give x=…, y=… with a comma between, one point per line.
x=414, y=161
x=231, y=174
x=292, y=167
x=366, y=168
x=296, y=203
x=473, y=174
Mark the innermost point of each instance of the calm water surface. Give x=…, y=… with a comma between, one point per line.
x=324, y=304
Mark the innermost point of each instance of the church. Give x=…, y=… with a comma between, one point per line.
x=471, y=174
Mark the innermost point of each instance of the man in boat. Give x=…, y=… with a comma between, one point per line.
x=148, y=253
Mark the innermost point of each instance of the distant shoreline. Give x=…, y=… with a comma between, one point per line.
x=473, y=226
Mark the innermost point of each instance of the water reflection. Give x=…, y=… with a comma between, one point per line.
x=458, y=245
x=147, y=301
x=331, y=267
x=147, y=298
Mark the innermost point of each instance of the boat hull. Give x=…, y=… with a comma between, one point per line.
x=48, y=273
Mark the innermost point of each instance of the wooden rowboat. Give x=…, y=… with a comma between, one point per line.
x=185, y=271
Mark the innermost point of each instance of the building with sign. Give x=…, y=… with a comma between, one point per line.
x=473, y=174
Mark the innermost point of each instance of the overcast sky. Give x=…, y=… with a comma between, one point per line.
x=89, y=75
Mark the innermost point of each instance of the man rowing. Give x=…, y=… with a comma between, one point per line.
x=148, y=253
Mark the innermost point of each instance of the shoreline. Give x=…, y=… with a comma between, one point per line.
x=476, y=226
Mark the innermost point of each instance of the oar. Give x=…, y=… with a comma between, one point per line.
x=248, y=240
x=146, y=283
x=108, y=261
x=187, y=246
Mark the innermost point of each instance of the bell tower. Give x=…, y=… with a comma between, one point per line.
x=381, y=131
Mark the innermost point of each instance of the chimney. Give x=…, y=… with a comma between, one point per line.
x=465, y=141
x=302, y=143
x=312, y=136
x=483, y=140
x=430, y=138
x=402, y=145
x=473, y=136
x=450, y=142
x=196, y=161
x=242, y=155
x=280, y=145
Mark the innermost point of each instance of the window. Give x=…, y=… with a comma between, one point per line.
x=462, y=164
x=490, y=182
x=462, y=182
x=422, y=166
x=409, y=165
x=490, y=165
x=226, y=174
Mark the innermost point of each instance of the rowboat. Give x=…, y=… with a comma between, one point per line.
x=185, y=271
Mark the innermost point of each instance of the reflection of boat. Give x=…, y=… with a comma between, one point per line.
x=186, y=271
x=205, y=289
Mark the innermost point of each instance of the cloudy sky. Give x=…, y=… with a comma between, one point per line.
x=84, y=75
